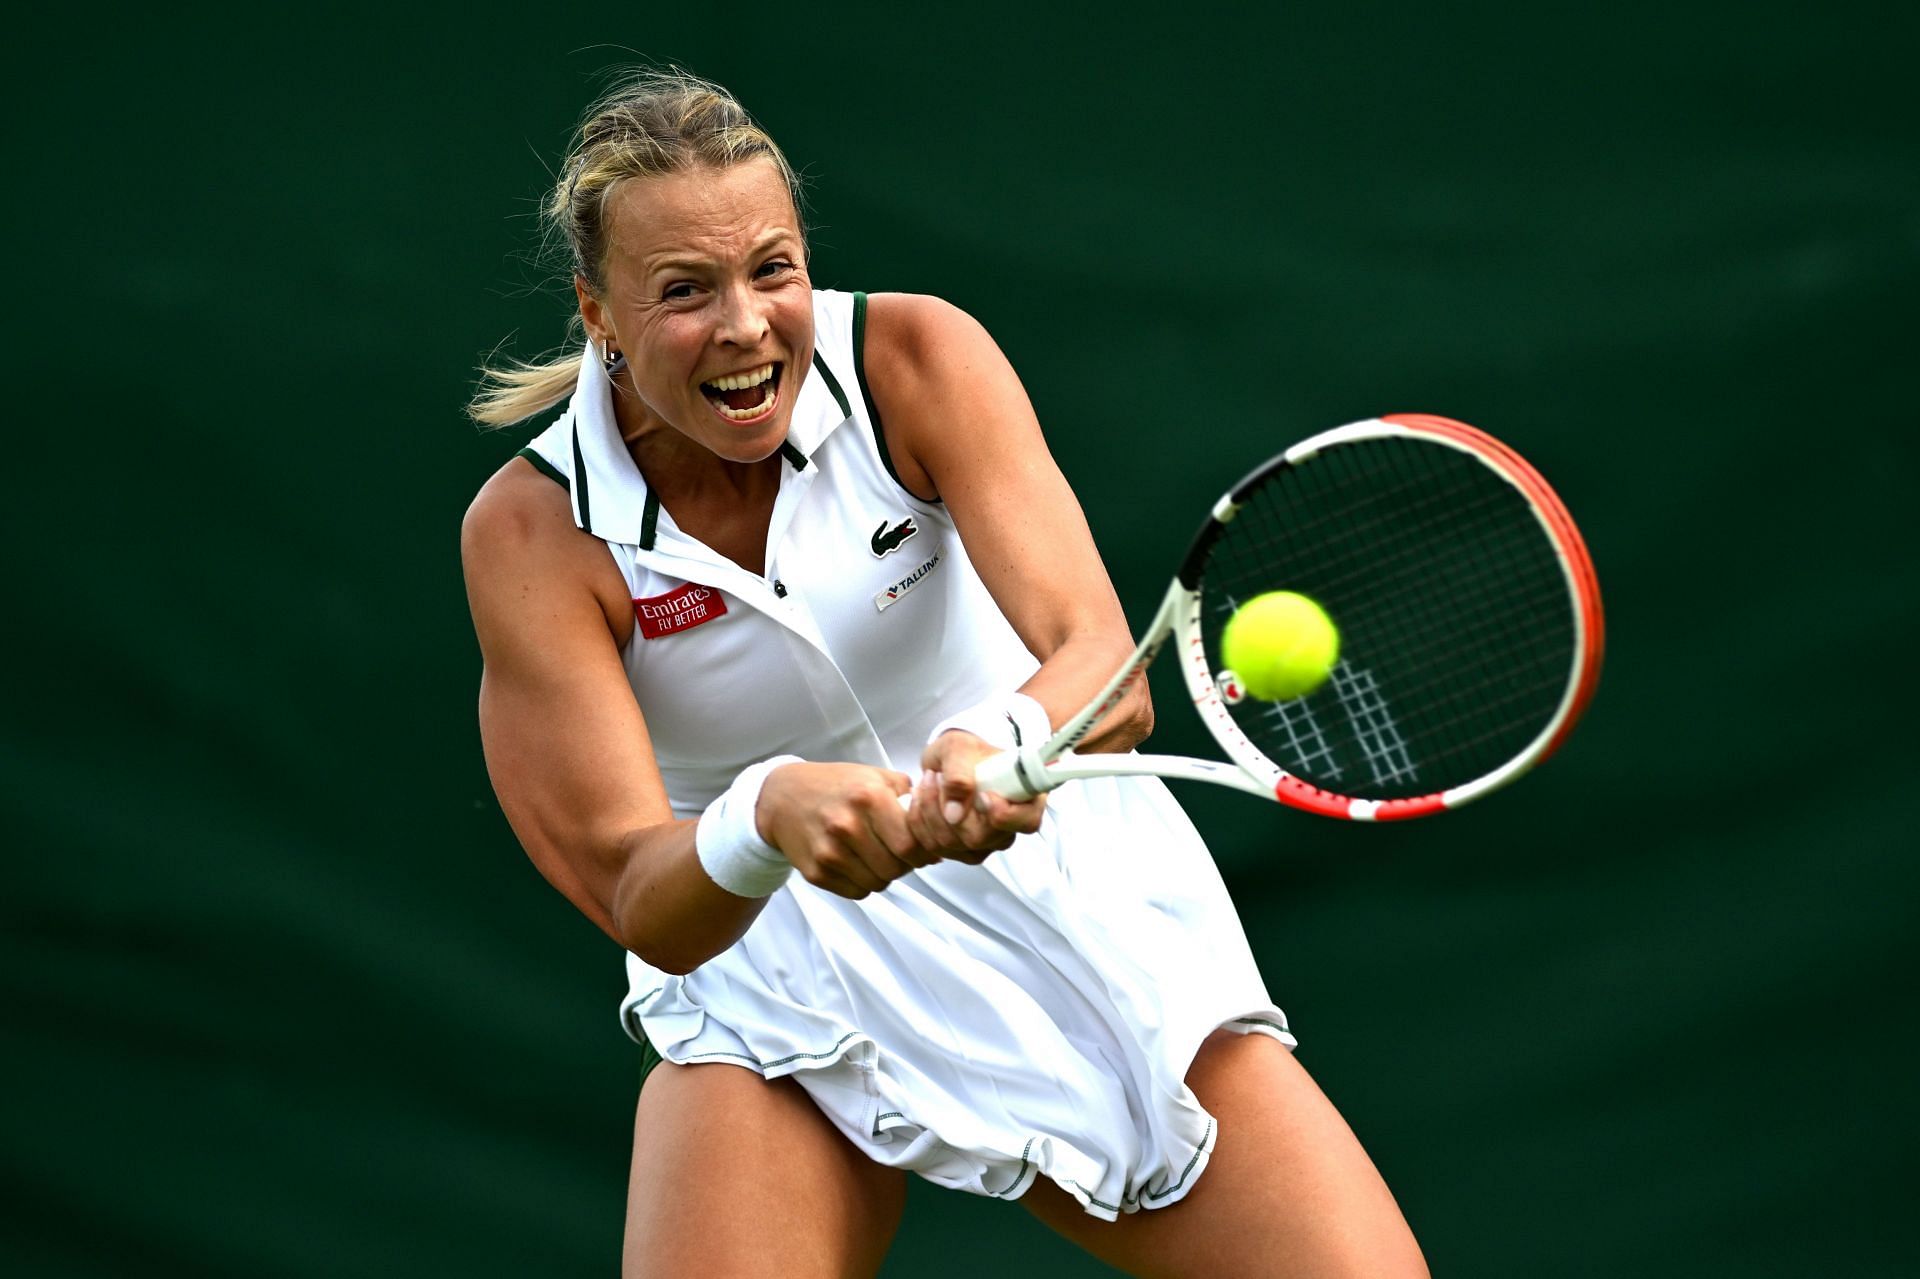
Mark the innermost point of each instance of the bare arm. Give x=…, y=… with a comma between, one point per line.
x=571, y=761
x=959, y=427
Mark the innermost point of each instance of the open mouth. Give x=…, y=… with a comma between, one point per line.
x=747, y=396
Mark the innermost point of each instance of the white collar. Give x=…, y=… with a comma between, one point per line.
x=610, y=496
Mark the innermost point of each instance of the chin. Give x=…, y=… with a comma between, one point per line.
x=755, y=445
x=746, y=441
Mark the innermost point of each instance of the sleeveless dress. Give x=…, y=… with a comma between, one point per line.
x=979, y=1025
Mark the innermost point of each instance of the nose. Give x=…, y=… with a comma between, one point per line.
x=743, y=318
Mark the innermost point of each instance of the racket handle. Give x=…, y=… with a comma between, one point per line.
x=1001, y=774
x=997, y=773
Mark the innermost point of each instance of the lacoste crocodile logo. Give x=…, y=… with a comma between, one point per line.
x=887, y=540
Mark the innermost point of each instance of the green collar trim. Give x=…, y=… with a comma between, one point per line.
x=649, y=519
x=545, y=467
x=580, y=481
x=650, y=513
x=866, y=395
x=833, y=383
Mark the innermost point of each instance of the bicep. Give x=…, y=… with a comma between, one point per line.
x=566, y=746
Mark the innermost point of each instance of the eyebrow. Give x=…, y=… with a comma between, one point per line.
x=678, y=263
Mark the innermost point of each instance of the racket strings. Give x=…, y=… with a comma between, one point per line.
x=1495, y=584
x=1382, y=746
x=1405, y=501
x=1499, y=591
x=1307, y=743
x=1303, y=739
x=1501, y=594
x=1371, y=729
x=1453, y=712
x=1416, y=513
x=1455, y=615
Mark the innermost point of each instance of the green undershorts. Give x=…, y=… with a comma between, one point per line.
x=649, y=1058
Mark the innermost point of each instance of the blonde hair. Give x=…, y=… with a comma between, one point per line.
x=652, y=123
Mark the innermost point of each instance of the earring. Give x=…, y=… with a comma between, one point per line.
x=611, y=358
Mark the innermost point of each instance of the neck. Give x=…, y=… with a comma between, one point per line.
x=677, y=467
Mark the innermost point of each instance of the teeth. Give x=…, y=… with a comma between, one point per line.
x=742, y=415
x=741, y=381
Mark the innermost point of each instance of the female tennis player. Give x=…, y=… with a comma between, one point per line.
x=787, y=566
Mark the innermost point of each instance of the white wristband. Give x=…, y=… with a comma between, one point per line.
x=1013, y=721
x=728, y=837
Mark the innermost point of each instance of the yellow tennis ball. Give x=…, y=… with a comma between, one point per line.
x=1281, y=644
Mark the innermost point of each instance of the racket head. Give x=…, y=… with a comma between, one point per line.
x=1471, y=628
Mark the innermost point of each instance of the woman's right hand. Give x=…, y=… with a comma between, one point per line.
x=954, y=818
x=841, y=825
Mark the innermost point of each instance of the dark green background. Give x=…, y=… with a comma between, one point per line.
x=283, y=997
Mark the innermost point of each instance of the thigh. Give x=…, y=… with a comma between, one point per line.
x=737, y=1175
x=1288, y=1191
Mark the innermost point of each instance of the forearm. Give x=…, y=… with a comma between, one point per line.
x=1077, y=670
x=689, y=889
x=667, y=909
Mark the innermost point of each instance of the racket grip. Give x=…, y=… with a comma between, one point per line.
x=1001, y=774
x=997, y=773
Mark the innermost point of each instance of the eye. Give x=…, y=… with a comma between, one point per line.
x=772, y=268
x=678, y=292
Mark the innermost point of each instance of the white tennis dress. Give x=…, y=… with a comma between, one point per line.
x=979, y=1025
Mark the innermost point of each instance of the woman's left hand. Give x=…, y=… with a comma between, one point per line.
x=951, y=815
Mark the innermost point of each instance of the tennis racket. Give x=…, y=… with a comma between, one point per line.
x=1469, y=618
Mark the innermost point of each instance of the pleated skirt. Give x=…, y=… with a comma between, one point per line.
x=983, y=1026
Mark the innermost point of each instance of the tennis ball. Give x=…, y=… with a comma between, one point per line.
x=1281, y=644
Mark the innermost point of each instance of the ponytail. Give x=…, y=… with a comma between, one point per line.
x=515, y=391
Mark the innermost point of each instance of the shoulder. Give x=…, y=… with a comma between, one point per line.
x=942, y=391
x=518, y=507
x=930, y=364
x=519, y=529
x=910, y=334
x=917, y=354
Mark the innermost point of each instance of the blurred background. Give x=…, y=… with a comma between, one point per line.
x=283, y=997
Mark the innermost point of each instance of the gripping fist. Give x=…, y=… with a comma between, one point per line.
x=954, y=818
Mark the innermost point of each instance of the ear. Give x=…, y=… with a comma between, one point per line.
x=593, y=313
